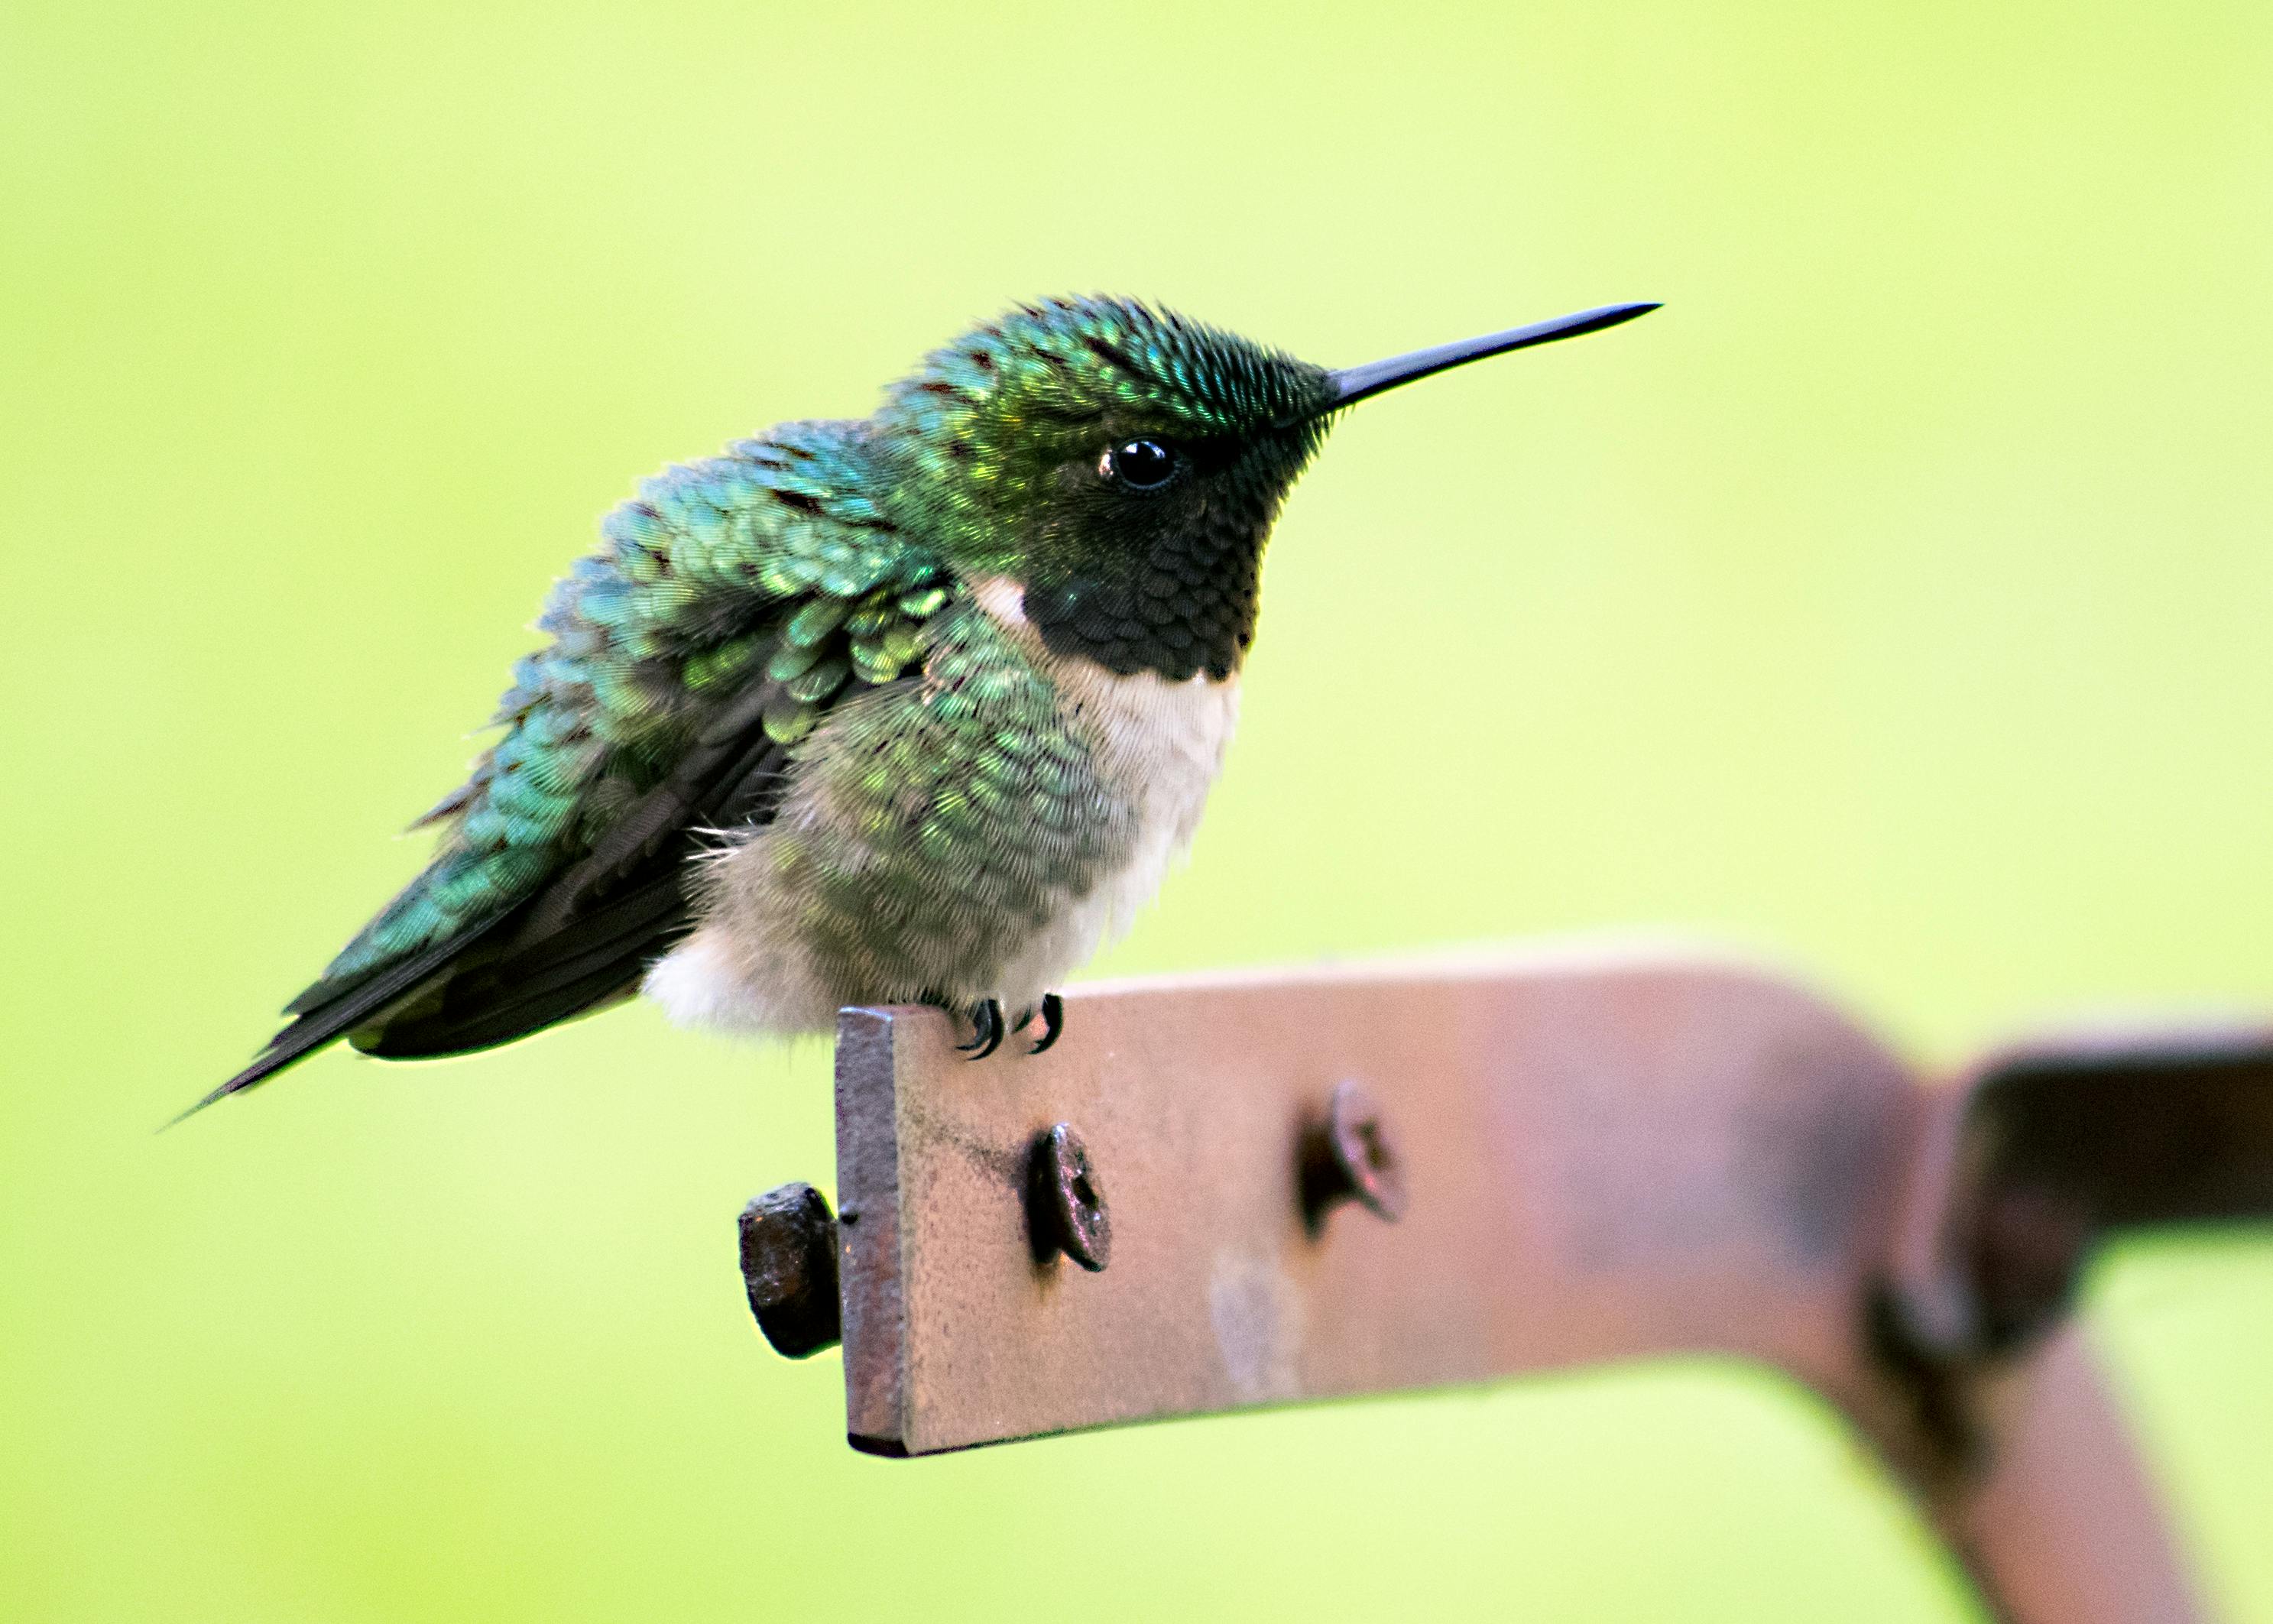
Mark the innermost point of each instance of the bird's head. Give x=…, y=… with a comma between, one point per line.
x=1120, y=466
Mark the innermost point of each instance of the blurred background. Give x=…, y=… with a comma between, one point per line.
x=1895, y=600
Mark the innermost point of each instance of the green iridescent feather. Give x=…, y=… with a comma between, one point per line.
x=792, y=624
x=916, y=782
x=745, y=564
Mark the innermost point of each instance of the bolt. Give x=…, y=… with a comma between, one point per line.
x=1348, y=1155
x=1065, y=1204
x=789, y=1264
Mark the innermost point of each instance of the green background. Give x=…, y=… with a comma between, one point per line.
x=1896, y=601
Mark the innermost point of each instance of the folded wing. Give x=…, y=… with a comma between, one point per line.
x=730, y=605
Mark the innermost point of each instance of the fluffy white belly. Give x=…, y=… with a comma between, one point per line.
x=1157, y=748
x=1160, y=745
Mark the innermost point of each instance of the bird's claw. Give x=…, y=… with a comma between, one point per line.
x=1053, y=1022
x=987, y=1030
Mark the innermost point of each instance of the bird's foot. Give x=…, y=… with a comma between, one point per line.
x=987, y=1030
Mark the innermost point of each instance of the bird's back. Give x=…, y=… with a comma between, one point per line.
x=732, y=602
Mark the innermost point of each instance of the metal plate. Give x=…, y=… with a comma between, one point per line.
x=1545, y=1159
x=1602, y=1155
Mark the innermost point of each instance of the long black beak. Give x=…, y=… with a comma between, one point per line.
x=1355, y=383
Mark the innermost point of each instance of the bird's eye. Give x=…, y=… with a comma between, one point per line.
x=1141, y=465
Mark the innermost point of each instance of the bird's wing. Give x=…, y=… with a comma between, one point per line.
x=730, y=605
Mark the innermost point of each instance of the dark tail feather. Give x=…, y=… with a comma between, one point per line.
x=341, y=1013
x=486, y=1026
x=522, y=987
x=589, y=938
x=581, y=942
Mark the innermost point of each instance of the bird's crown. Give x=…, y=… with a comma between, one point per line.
x=1074, y=364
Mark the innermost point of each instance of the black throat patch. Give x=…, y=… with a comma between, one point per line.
x=1168, y=583
x=1189, y=607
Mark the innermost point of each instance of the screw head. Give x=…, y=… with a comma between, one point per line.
x=1066, y=1209
x=788, y=1268
x=1351, y=1156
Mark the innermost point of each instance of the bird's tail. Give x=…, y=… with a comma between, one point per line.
x=341, y=1010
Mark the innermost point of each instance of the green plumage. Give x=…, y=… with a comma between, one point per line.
x=911, y=707
x=916, y=783
x=767, y=549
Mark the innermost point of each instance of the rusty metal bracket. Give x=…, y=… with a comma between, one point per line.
x=1355, y=1180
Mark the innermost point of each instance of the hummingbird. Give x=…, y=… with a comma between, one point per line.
x=918, y=707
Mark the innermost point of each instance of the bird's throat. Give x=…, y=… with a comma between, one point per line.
x=1181, y=611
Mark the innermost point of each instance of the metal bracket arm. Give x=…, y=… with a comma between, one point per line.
x=1249, y=1190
